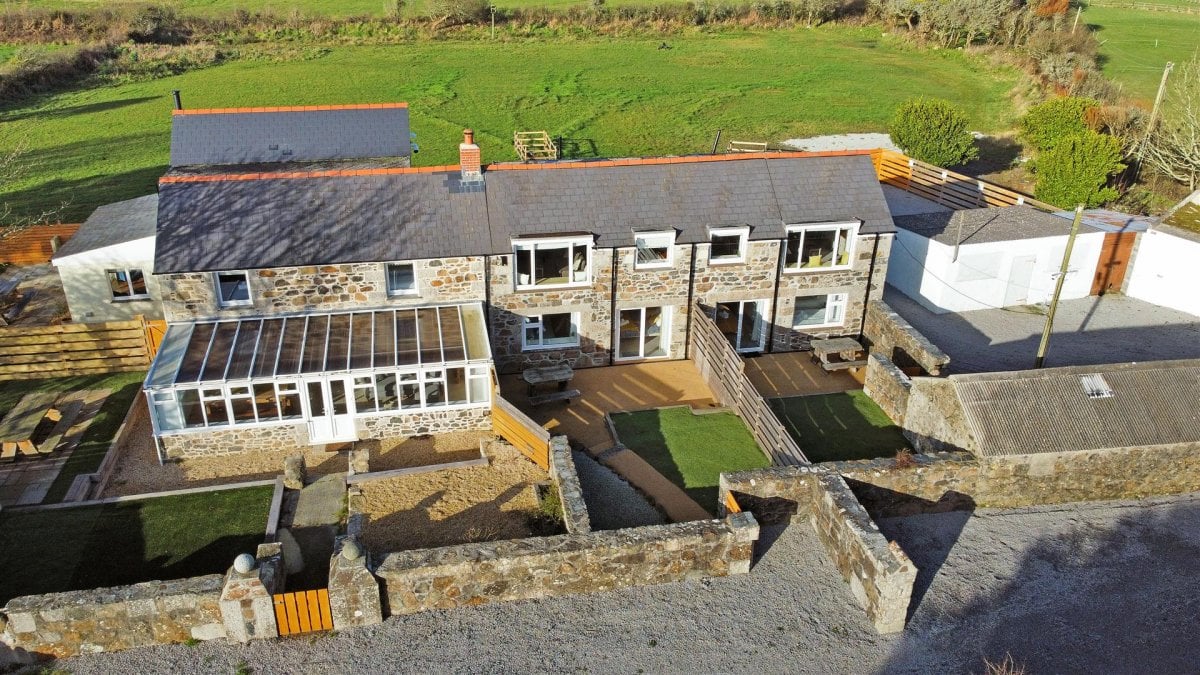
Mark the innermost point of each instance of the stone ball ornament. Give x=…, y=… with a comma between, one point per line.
x=244, y=563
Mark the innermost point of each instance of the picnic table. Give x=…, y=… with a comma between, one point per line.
x=838, y=354
x=560, y=374
x=19, y=426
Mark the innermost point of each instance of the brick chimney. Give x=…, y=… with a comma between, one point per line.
x=469, y=157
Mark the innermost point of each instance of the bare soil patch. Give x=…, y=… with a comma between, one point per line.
x=453, y=506
x=402, y=453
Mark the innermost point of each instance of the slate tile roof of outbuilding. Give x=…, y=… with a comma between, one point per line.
x=1008, y=223
x=113, y=224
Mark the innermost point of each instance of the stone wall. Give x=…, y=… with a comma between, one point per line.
x=934, y=419
x=888, y=334
x=879, y=573
x=888, y=386
x=424, y=422
x=475, y=574
x=110, y=619
x=324, y=288
x=566, y=479
x=722, y=370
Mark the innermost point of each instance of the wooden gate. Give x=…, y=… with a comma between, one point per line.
x=525, y=435
x=303, y=612
x=1114, y=261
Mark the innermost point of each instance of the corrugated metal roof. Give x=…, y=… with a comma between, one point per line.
x=1038, y=411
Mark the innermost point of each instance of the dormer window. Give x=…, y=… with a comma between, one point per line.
x=550, y=263
x=820, y=247
x=727, y=244
x=654, y=249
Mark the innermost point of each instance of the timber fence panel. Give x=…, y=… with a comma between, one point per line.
x=28, y=352
x=35, y=244
x=945, y=187
x=523, y=433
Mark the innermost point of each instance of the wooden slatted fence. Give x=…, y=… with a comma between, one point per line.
x=31, y=352
x=303, y=612
x=35, y=244
x=945, y=187
x=523, y=433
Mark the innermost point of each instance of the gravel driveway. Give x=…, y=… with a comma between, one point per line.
x=1095, y=587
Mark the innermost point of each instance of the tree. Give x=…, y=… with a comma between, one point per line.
x=1076, y=170
x=13, y=168
x=1173, y=147
x=933, y=131
x=1047, y=123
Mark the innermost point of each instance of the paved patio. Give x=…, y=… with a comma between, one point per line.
x=794, y=374
x=26, y=480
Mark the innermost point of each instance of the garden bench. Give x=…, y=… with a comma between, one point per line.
x=555, y=396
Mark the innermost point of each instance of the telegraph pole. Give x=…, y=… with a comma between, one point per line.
x=1058, y=286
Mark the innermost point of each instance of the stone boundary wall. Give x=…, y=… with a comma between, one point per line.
x=879, y=573
x=890, y=335
x=724, y=372
x=570, y=493
x=954, y=479
x=522, y=569
x=888, y=386
x=934, y=420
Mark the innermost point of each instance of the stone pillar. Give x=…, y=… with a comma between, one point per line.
x=294, y=472
x=360, y=460
x=354, y=594
x=247, y=608
x=745, y=533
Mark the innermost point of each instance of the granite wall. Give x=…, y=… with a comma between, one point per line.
x=887, y=333
x=570, y=493
x=888, y=386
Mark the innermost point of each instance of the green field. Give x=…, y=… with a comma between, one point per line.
x=1138, y=43
x=613, y=97
x=332, y=8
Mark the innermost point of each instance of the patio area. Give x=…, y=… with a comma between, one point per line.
x=794, y=374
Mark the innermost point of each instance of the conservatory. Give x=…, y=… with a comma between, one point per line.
x=319, y=370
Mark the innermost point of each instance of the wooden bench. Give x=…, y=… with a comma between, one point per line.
x=18, y=427
x=555, y=396
x=838, y=354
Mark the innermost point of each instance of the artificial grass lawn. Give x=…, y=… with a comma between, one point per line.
x=128, y=542
x=1136, y=44
x=613, y=97
x=691, y=450
x=90, y=452
x=832, y=427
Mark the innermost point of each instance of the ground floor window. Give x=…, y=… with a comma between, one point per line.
x=643, y=333
x=127, y=284
x=743, y=323
x=546, y=331
x=812, y=311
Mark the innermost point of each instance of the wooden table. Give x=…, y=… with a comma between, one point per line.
x=18, y=427
x=838, y=354
x=561, y=374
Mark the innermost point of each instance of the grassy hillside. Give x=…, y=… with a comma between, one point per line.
x=611, y=97
x=1138, y=43
x=333, y=8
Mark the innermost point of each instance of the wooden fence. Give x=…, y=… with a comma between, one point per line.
x=525, y=435
x=945, y=187
x=302, y=612
x=31, y=352
x=35, y=244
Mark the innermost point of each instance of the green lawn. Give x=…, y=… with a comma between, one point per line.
x=691, y=450
x=832, y=427
x=1137, y=44
x=128, y=542
x=611, y=97
x=90, y=452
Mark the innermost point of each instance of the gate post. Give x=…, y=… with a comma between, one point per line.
x=354, y=595
x=247, y=608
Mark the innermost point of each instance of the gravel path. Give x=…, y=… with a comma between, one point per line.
x=843, y=142
x=612, y=503
x=1082, y=588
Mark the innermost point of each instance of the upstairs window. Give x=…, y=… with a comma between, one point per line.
x=654, y=249
x=728, y=244
x=813, y=311
x=812, y=247
x=127, y=284
x=553, y=262
x=233, y=289
x=401, y=279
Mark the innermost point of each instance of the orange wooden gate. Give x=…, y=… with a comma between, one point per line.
x=1114, y=260
x=303, y=612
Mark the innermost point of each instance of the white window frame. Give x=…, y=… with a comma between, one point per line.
x=387, y=281
x=835, y=311
x=221, y=302
x=743, y=234
x=658, y=239
x=128, y=282
x=664, y=333
x=535, y=320
x=531, y=246
x=804, y=229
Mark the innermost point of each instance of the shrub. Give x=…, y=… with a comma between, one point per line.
x=933, y=131
x=1048, y=123
x=1076, y=170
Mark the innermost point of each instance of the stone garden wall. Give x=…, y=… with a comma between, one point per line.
x=475, y=574
x=888, y=386
x=570, y=493
x=887, y=333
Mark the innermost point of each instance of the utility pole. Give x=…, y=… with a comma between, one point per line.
x=1158, y=98
x=1058, y=286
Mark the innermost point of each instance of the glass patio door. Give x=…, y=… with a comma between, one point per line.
x=742, y=322
x=330, y=410
x=643, y=333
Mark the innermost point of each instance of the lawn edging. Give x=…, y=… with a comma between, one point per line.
x=92, y=485
x=141, y=497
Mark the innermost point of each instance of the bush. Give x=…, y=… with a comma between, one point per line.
x=1076, y=170
x=933, y=131
x=1048, y=123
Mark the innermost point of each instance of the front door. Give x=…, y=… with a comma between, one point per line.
x=1020, y=277
x=742, y=322
x=330, y=417
x=1114, y=260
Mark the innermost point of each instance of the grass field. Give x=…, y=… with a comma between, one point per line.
x=333, y=8
x=691, y=450
x=128, y=542
x=618, y=97
x=1138, y=43
x=833, y=427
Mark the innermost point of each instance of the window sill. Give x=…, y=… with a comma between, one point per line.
x=731, y=261
x=136, y=298
x=552, y=287
x=819, y=326
x=406, y=294
x=546, y=348
x=815, y=270
x=235, y=305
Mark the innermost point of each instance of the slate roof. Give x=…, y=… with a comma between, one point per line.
x=402, y=215
x=1039, y=411
x=248, y=136
x=985, y=225
x=113, y=224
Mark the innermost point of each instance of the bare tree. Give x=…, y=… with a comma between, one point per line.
x=13, y=167
x=1173, y=146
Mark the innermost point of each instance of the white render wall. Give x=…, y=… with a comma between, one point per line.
x=1166, y=271
x=85, y=282
x=925, y=271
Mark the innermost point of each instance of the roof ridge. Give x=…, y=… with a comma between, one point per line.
x=291, y=108
x=327, y=173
